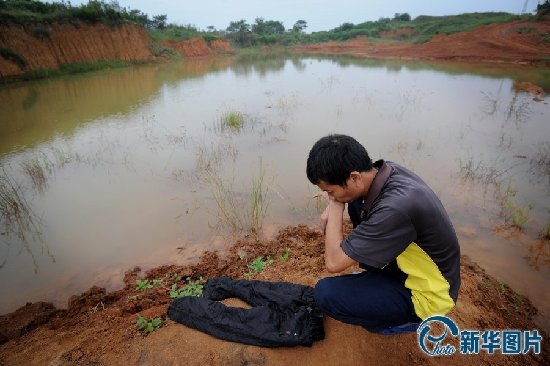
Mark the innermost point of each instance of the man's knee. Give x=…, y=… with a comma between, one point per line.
x=324, y=290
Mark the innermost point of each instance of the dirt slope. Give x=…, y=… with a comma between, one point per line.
x=36, y=46
x=98, y=328
x=198, y=47
x=519, y=42
x=48, y=46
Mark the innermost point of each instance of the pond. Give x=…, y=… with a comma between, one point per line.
x=156, y=164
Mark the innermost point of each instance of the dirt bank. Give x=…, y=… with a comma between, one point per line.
x=198, y=47
x=519, y=42
x=48, y=46
x=30, y=47
x=98, y=328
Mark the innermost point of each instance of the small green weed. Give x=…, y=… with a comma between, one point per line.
x=193, y=288
x=173, y=277
x=142, y=285
x=284, y=256
x=148, y=326
x=258, y=265
x=517, y=301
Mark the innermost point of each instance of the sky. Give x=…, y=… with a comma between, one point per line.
x=319, y=14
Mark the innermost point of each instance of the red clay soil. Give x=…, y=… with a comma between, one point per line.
x=221, y=46
x=98, y=328
x=519, y=42
x=49, y=46
x=60, y=44
x=198, y=47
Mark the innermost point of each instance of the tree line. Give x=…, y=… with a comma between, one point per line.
x=244, y=34
x=265, y=32
x=20, y=11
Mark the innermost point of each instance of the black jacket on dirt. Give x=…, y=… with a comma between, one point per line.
x=282, y=313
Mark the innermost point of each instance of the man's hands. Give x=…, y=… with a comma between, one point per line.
x=337, y=207
x=324, y=215
x=331, y=224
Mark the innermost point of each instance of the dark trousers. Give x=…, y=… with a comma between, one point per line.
x=282, y=313
x=373, y=299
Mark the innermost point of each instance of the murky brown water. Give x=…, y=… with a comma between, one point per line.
x=136, y=166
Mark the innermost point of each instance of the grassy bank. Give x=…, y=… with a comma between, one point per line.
x=419, y=30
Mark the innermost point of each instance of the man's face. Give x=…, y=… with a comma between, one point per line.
x=338, y=193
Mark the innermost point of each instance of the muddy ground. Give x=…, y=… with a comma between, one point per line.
x=519, y=42
x=99, y=327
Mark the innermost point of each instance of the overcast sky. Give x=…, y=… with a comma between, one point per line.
x=319, y=14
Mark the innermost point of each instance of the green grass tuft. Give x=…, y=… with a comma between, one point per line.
x=232, y=120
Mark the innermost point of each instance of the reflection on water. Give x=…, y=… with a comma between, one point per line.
x=123, y=167
x=41, y=109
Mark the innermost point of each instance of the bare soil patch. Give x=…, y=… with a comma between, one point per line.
x=519, y=42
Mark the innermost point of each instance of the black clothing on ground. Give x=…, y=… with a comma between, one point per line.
x=282, y=313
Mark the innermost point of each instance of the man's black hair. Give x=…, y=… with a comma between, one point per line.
x=334, y=157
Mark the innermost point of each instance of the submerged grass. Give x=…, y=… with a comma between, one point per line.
x=227, y=203
x=38, y=168
x=513, y=213
x=259, y=202
x=234, y=209
x=15, y=212
x=481, y=172
x=43, y=163
x=17, y=219
x=18, y=222
x=233, y=121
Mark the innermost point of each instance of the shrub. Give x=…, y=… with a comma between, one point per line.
x=14, y=57
x=160, y=51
